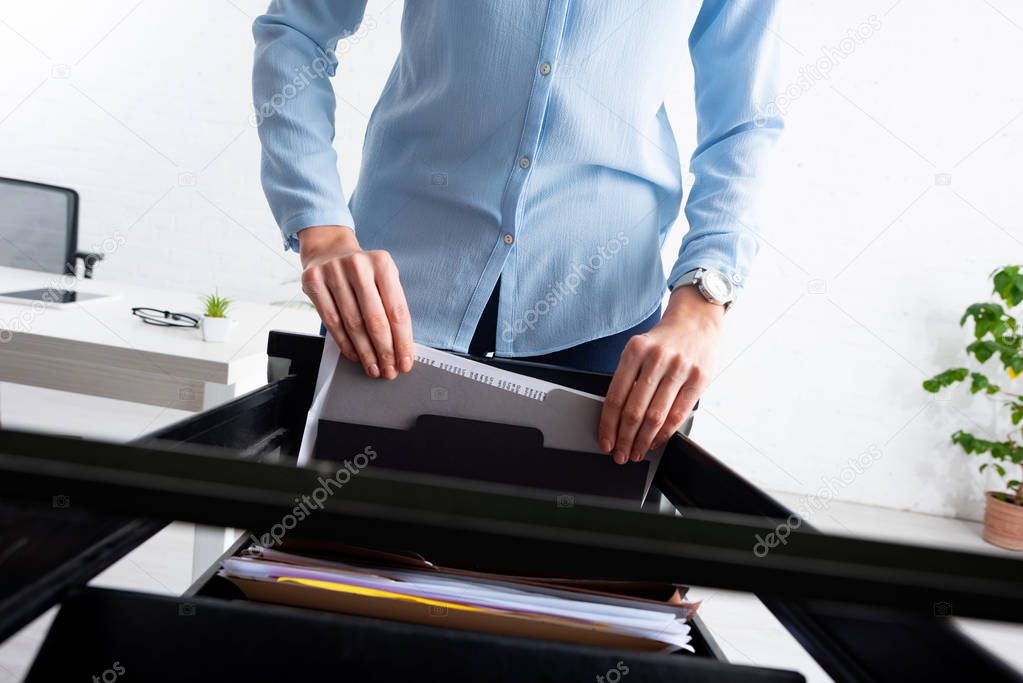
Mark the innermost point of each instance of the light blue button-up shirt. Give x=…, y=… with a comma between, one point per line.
x=527, y=141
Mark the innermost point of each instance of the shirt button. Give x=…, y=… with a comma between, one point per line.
x=737, y=278
x=524, y=162
x=508, y=238
x=545, y=69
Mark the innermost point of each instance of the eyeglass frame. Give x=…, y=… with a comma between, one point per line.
x=167, y=316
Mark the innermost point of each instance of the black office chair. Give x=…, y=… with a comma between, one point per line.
x=39, y=228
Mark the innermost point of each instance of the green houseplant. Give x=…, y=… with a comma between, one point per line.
x=996, y=340
x=216, y=326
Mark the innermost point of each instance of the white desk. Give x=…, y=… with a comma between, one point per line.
x=99, y=348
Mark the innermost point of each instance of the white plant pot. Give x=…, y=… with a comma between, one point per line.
x=216, y=329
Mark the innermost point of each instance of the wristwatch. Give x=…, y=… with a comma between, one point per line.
x=712, y=284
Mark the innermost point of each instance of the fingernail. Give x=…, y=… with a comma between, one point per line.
x=373, y=371
x=636, y=456
x=605, y=445
x=406, y=363
x=389, y=372
x=620, y=457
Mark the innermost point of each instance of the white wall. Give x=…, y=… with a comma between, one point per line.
x=870, y=255
x=144, y=108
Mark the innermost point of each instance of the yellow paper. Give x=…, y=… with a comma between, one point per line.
x=377, y=593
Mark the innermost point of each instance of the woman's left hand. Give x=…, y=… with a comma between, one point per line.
x=660, y=377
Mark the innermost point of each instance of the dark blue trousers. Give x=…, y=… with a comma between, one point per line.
x=599, y=355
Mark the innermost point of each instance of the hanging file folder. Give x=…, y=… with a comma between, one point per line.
x=453, y=416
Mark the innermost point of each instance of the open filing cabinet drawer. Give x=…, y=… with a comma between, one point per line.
x=862, y=609
x=206, y=638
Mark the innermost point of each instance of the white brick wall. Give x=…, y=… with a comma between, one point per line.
x=855, y=299
x=150, y=123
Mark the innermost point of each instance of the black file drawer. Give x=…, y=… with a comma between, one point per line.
x=215, y=587
x=204, y=634
x=166, y=639
x=847, y=601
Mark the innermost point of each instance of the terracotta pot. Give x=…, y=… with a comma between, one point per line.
x=1003, y=523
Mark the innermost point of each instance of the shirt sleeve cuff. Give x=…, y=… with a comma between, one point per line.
x=683, y=266
x=307, y=219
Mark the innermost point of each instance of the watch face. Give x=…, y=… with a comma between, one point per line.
x=717, y=285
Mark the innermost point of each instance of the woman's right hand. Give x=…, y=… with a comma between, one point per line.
x=359, y=298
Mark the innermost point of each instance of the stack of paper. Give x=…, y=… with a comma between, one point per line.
x=487, y=603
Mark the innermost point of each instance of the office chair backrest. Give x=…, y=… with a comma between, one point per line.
x=38, y=226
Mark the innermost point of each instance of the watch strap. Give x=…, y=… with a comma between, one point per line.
x=692, y=278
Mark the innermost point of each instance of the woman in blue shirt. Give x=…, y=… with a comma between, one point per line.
x=519, y=177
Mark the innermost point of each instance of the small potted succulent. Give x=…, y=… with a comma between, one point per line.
x=996, y=336
x=215, y=325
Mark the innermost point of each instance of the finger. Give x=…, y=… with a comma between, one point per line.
x=621, y=384
x=678, y=413
x=659, y=410
x=637, y=405
x=351, y=319
x=393, y=297
x=344, y=344
x=314, y=287
x=362, y=277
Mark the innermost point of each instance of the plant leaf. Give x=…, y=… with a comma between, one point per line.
x=1012, y=361
x=216, y=305
x=989, y=319
x=982, y=350
x=981, y=383
x=969, y=443
x=944, y=379
x=1008, y=284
